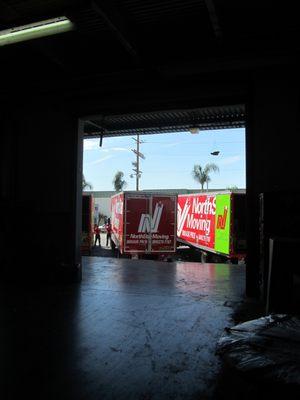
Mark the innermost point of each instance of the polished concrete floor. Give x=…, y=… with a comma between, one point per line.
x=131, y=330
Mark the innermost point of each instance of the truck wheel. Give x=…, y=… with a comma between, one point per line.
x=215, y=259
x=218, y=259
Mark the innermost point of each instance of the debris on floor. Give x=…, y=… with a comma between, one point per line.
x=267, y=348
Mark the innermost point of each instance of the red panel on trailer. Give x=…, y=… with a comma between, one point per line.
x=196, y=219
x=136, y=228
x=147, y=223
x=163, y=233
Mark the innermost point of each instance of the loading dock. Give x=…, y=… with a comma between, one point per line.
x=157, y=57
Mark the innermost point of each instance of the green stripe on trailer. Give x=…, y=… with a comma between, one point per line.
x=222, y=223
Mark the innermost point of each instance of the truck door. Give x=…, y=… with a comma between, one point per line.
x=137, y=224
x=163, y=211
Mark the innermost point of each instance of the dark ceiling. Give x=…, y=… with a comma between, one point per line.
x=204, y=118
x=139, y=41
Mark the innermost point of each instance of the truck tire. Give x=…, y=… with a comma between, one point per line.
x=207, y=257
x=215, y=259
x=218, y=259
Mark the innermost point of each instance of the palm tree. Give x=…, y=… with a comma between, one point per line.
x=201, y=174
x=118, y=181
x=85, y=184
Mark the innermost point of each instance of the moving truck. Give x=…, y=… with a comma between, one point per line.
x=214, y=223
x=87, y=233
x=144, y=223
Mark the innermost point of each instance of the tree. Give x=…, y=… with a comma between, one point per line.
x=201, y=174
x=118, y=181
x=85, y=184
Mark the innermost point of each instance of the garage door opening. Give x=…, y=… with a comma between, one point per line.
x=134, y=154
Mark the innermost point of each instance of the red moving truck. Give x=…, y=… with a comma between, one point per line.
x=87, y=233
x=144, y=223
x=213, y=223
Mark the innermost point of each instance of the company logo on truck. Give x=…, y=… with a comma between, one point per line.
x=221, y=222
x=199, y=217
x=148, y=224
x=182, y=214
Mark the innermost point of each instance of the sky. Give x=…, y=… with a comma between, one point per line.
x=169, y=159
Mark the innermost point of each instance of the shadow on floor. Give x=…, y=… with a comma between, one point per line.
x=235, y=385
x=101, y=251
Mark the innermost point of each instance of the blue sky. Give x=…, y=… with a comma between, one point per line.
x=169, y=159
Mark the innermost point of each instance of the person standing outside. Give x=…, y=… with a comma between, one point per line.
x=97, y=235
x=108, y=232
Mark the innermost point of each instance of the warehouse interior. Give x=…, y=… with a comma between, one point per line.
x=127, y=65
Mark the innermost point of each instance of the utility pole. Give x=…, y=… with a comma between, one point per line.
x=136, y=164
x=137, y=177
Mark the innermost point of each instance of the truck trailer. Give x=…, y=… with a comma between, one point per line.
x=87, y=234
x=144, y=224
x=214, y=223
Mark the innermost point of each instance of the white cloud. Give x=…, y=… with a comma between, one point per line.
x=90, y=144
x=230, y=160
x=100, y=160
x=93, y=144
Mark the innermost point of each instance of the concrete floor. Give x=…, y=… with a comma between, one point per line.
x=131, y=330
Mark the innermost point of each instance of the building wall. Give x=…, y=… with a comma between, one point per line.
x=41, y=168
x=271, y=153
x=102, y=205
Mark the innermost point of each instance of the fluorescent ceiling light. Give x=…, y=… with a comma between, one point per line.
x=35, y=30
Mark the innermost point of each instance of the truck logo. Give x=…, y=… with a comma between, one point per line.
x=221, y=222
x=148, y=224
x=181, y=215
